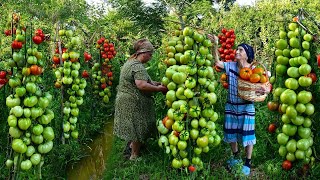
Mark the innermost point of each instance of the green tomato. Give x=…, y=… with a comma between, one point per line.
x=182, y=145
x=45, y=147
x=178, y=126
x=24, y=123
x=197, y=150
x=12, y=121
x=19, y=146
x=26, y=165
x=194, y=133
x=183, y=153
x=176, y=163
x=20, y=91
x=15, y=132
x=37, y=139
x=75, y=134
x=35, y=159
x=194, y=123
x=30, y=151
x=184, y=135
x=37, y=129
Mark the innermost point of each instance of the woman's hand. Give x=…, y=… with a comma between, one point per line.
x=213, y=38
x=162, y=89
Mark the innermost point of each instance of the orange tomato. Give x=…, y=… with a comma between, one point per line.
x=254, y=78
x=223, y=77
x=258, y=70
x=263, y=78
x=245, y=73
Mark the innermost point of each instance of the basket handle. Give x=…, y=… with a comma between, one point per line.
x=263, y=66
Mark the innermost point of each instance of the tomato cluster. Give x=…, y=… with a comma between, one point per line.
x=68, y=75
x=189, y=128
x=29, y=118
x=294, y=99
x=226, y=40
x=107, y=49
x=101, y=71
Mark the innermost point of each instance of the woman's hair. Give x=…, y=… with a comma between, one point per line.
x=141, y=46
x=249, y=52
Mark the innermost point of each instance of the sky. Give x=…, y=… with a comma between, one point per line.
x=240, y=2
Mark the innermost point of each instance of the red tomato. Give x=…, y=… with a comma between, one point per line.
x=232, y=56
x=111, y=48
x=286, y=165
x=3, y=81
x=85, y=74
x=56, y=60
x=37, y=39
x=220, y=50
x=222, y=56
x=228, y=34
x=109, y=74
x=272, y=128
x=224, y=30
x=223, y=38
x=39, y=31
x=7, y=32
x=103, y=86
x=226, y=51
x=227, y=57
x=3, y=74
x=225, y=85
x=99, y=41
x=35, y=70
x=191, y=168
x=111, y=45
x=228, y=46
x=272, y=105
x=104, y=56
x=105, y=45
x=313, y=77
x=231, y=31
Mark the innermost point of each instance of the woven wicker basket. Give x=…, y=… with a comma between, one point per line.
x=255, y=92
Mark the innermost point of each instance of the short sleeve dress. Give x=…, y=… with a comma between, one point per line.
x=134, y=111
x=239, y=124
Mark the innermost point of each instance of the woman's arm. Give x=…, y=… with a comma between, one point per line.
x=215, y=52
x=148, y=87
x=155, y=83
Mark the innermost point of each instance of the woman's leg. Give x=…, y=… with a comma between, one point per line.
x=234, y=147
x=249, y=150
x=135, y=149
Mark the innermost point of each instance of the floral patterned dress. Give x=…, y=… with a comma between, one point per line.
x=134, y=112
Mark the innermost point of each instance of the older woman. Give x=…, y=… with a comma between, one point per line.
x=134, y=111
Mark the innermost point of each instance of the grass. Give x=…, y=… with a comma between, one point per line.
x=155, y=164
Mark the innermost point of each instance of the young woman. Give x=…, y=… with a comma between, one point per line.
x=134, y=112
